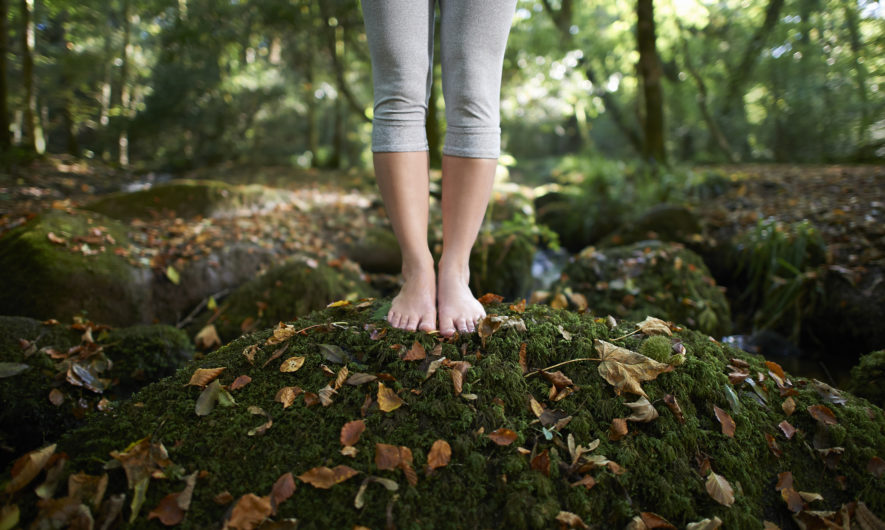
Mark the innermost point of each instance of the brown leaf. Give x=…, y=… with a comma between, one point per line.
x=405, y=457
x=388, y=401
x=292, y=364
x=772, y=445
x=643, y=411
x=784, y=480
x=876, y=467
x=536, y=407
x=787, y=429
x=287, y=395
x=387, y=457
x=653, y=326
x=203, y=376
x=359, y=378
x=311, y=399
x=490, y=298
x=261, y=429
x=522, y=358
x=653, y=520
x=789, y=406
x=588, y=482
x=776, y=369
x=828, y=393
x=794, y=501
x=223, y=498
x=570, y=520
x=457, y=381
x=557, y=379
x=518, y=307
x=207, y=337
x=276, y=355
x=674, y=407
x=282, y=489
x=341, y=377
x=727, y=422
x=56, y=397
x=559, y=301
x=326, y=394
x=240, y=382
x=171, y=509
x=719, y=488
x=624, y=369
x=351, y=432
x=249, y=512
x=415, y=353
x=618, y=429
x=440, y=454
x=141, y=460
x=823, y=414
x=502, y=436
x=281, y=333
x=324, y=478
x=88, y=488
x=541, y=462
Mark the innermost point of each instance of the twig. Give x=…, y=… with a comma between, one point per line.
x=196, y=311
x=622, y=337
x=560, y=364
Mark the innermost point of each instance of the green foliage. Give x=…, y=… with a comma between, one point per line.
x=781, y=264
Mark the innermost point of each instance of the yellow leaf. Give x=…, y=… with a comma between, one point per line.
x=204, y=376
x=653, y=326
x=339, y=303
x=292, y=364
x=388, y=401
x=624, y=369
x=719, y=489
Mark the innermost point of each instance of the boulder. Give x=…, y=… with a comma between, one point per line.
x=501, y=261
x=577, y=219
x=649, y=278
x=480, y=439
x=377, y=251
x=283, y=293
x=43, y=400
x=868, y=377
x=666, y=222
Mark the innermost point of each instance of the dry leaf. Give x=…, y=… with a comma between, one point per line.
x=341, y=377
x=727, y=422
x=784, y=480
x=281, y=333
x=56, y=397
x=522, y=358
x=618, y=429
x=292, y=364
x=240, y=382
x=794, y=501
x=433, y=367
x=705, y=524
x=643, y=411
x=536, y=407
x=311, y=399
x=823, y=414
x=415, y=353
x=502, y=436
x=440, y=454
x=828, y=393
x=324, y=478
x=223, y=498
x=876, y=467
x=518, y=307
x=776, y=370
x=170, y=511
x=570, y=520
x=359, y=378
x=457, y=381
x=559, y=301
x=326, y=394
x=674, y=407
x=653, y=326
x=789, y=406
x=282, y=489
x=203, y=376
x=588, y=482
x=787, y=429
x=207, y=338
x=388, y=401
x=287, y=395
x=624, y=369
x=261, y=429
x=88, y=488
x=351, y=432
x=490, y=298
x=387, y=457
x=541, y=462
x=719, y=489
x=653, y=520
x=557, y=379
x=27, y=467
x=276, y=355
x=249, y=512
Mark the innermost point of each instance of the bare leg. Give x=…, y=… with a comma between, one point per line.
x=466, y=189
x=404, y=184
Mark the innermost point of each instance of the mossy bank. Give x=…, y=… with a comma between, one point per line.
x=660, y=466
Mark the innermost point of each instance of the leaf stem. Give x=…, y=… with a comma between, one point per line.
x=560, y=364
x=634, y=332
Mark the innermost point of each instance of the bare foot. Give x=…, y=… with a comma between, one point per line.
x=458, y=308
x=414, y=308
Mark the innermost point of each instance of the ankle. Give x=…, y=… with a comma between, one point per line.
x=458, y=269
x=417, y=264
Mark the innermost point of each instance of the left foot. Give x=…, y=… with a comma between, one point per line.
x=457, y=308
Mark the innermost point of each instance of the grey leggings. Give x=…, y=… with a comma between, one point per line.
x=473, y=35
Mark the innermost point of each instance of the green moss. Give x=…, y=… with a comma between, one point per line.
x=657, y=347
x=42, y=279
x=145, y=353
x=868, y=377
x=283, y=293
x=484, y=485
x=654, y=278
x=187, y=198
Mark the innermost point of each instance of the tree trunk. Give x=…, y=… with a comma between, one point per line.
x=860, y=70
x=32, y=121
x=337, y=64
x=4, y=108
x=125, y=94
x=650, y=72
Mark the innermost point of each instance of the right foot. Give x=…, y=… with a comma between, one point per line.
x=414, y=308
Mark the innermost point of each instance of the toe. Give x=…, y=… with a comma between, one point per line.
x=471, y=327
x=446, y=327
x=427, y=322
x=394, y=319
x=461, y=325
x=411, y=323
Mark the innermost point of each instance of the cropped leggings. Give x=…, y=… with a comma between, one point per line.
x=473, y=36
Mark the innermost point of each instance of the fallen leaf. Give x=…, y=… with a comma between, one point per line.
x=287, y=395
x=502, y=436
x=643, y=411
x=518, y=307
x=787, y=429
x=727, y=422
x=339, y=303
x=828, y=393
x=559, y=301
x=784, y=480
x=522, y=358
x=490, y=298
x=351, y=432
x=387, y=457
x=789, y=406
x=705, y=524
x=9, y=516
x=281, y=333
x=541, y=462
x=282, y=489
x=433, y=367
x=876, y=467
x=249, y=512
x=653, y=326
x=624, y=369
x=341, y=377
x=388, y=401
x=570, y=520
x=325, y=395
x=557, y=379
x=618, y=429
x=203, y=376
x=808, y=496
x=173, y=275
x=276, y=355
x=207, y=337
x=772, y=445
x=240, y=382
x=223, y=498
x=440, y=454
x=457, y=381
x=536, y=407
x=415, y=353
x=358, y=378
x=208, y=398
x=405, y=464
x=88, y=488
x=292, y=364
x=823, y=414
x=261, y=429
x=12, y=369
x=794, y=501
x=56, y=397
x=673, y=405
x=324, y=478
x=171, y=509
x=587, y=481
x=719, y=488
x=333, y=353
x=653, y=520
x=250, y=352
x=776, y=369
x=27, y=467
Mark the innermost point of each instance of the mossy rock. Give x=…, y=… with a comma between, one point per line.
x=655, y=278
x=284, y=293
x=81, y=273
x=501, y=262
x=666, y=222
x=139, y=355
x=188, y=198
x=868, y=377
x=484, y=485
x=377, y=251
x=577, y=219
